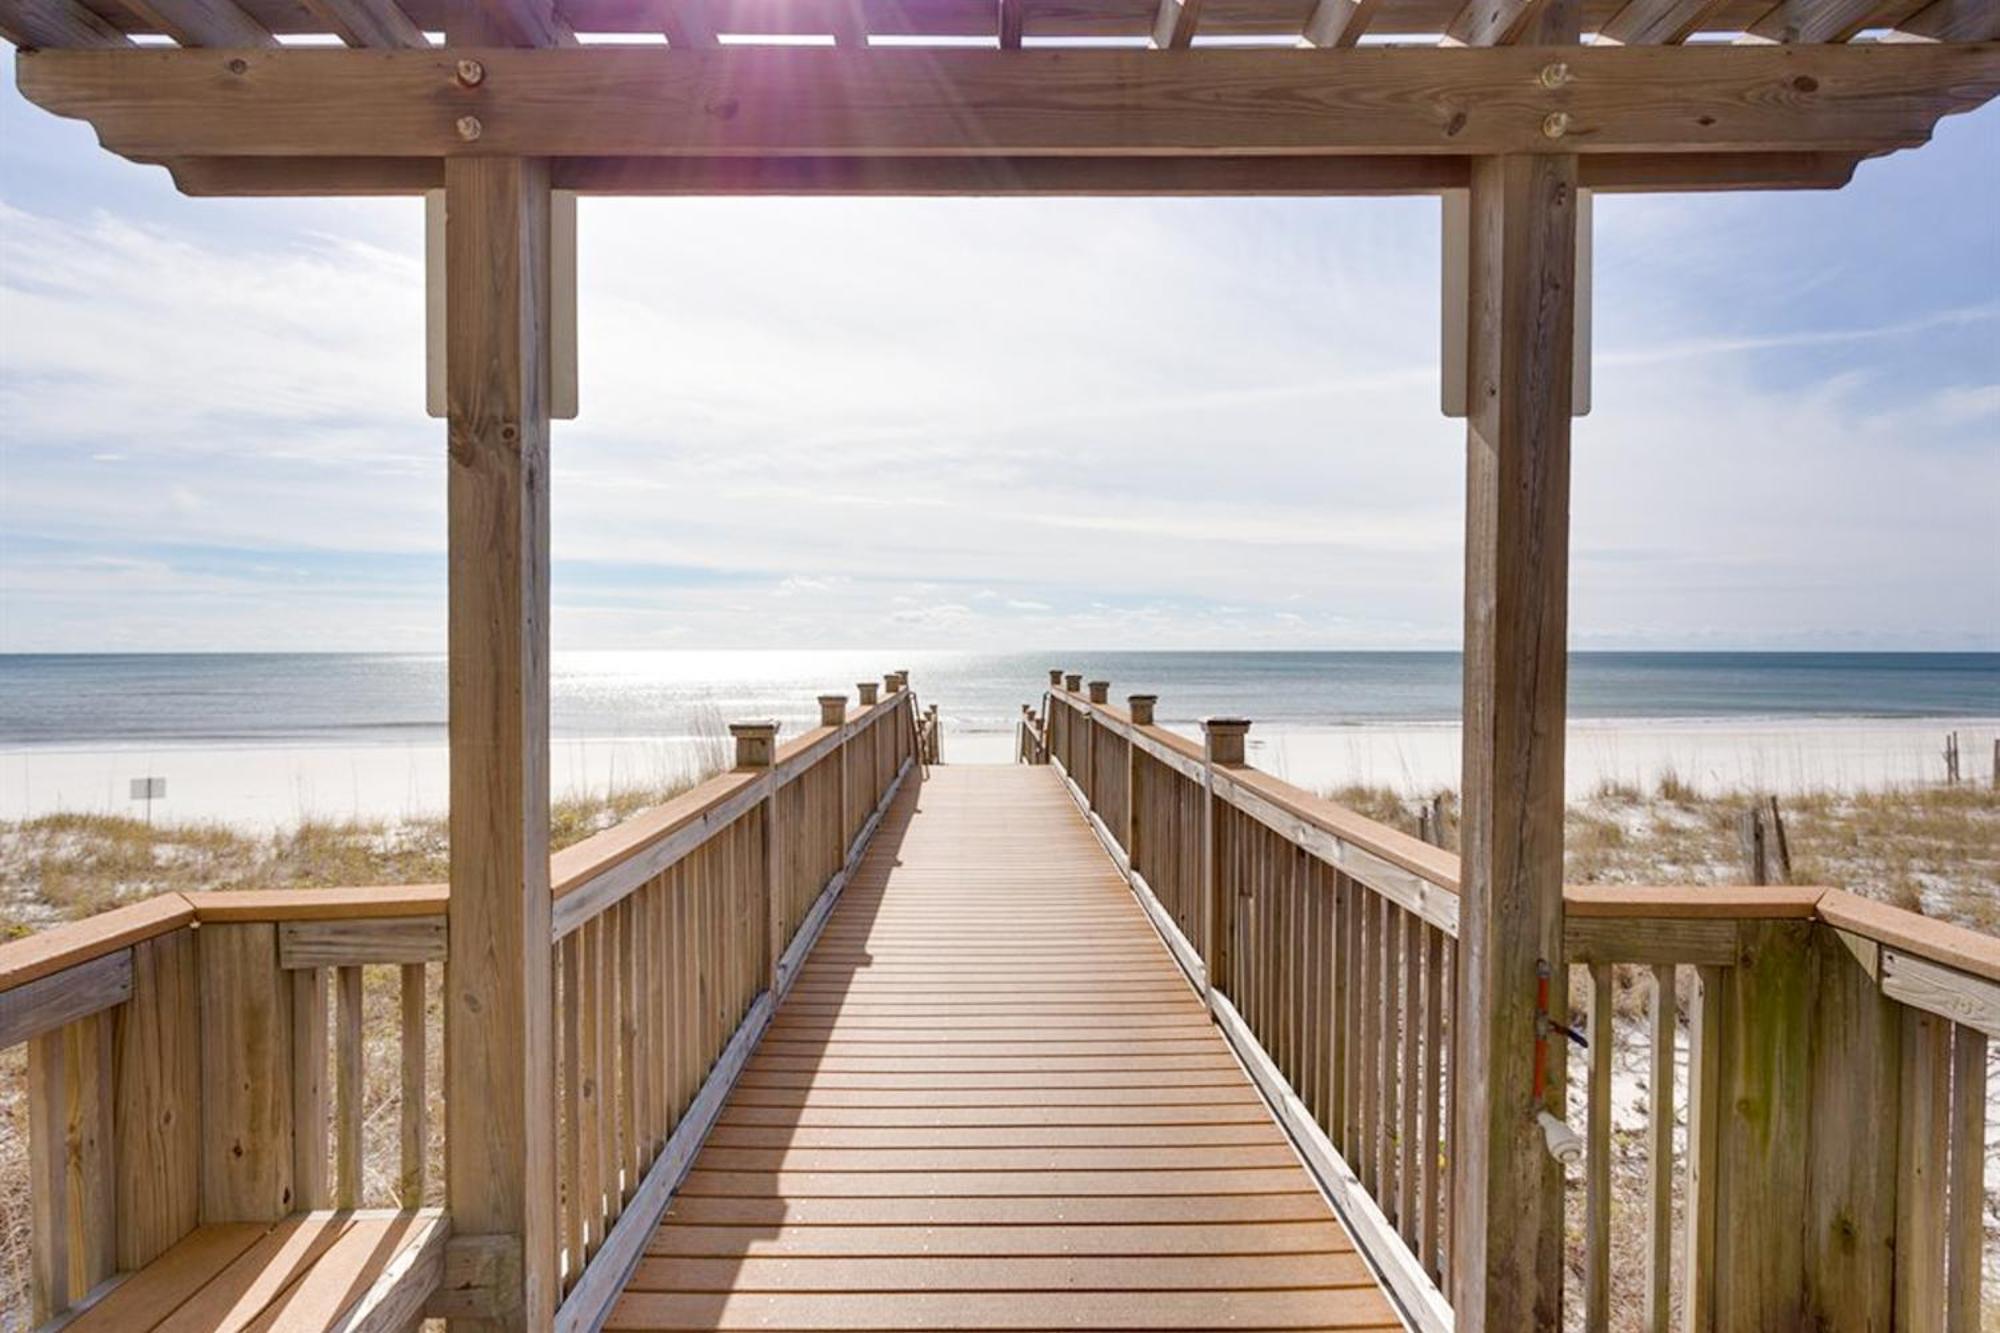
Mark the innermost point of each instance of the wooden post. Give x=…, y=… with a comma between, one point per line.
x=499, y=1062
x=1073, y=682
x=833, y=713
x=1507, y=1271
x=756, y=751
x=1055, y=678
x=1139, y=707
x=1100, y=691
x=1222, y=745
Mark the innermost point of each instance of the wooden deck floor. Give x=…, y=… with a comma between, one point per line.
x=993, y=1102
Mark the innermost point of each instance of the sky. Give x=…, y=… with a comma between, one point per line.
x=996, y=423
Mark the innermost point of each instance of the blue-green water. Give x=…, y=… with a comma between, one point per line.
x=362, y=698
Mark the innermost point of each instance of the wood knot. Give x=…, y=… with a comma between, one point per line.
x=509, y=432
x=1805, y=83
x=726, y=109
x=1455, y=124
x=239, y=66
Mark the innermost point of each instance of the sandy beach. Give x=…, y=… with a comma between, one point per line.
x=276, y=785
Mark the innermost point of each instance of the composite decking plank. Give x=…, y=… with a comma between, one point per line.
x=992, y=1101
x=913, y=1269
x=1043, y=1240
x=890, y=1312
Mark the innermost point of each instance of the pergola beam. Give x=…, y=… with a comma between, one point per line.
x=1004, y=176
x=738, y=101
x=1954, y=21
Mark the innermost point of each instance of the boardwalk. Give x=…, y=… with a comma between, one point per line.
x=992, y=1101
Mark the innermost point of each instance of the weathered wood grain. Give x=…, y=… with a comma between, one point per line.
x=61, y=998
x=158, y=1112
x=1508, y=1189
x=499, y=1057
x=764, y=101
x=246, y=1066
x=416, y=939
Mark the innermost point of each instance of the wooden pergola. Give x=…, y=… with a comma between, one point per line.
x=498, y=102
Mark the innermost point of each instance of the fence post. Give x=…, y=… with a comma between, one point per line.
x=1139, y=707
x=833, y=713
x=757, y=750
x=1222, y=744
x=866, y=690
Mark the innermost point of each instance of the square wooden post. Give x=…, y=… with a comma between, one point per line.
x=499, y=1066
x=757, y=751
x=1507, y=1272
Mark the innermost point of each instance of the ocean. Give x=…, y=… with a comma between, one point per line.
x=289, y=698
x=271, y=739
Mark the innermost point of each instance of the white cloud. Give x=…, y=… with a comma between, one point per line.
x=932, y=423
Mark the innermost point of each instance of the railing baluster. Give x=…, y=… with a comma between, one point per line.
x=1660, y=1154
x=1411, y=1047
x=1704, y=1143
x=1921, y=1168
x=1597, y=1158
x=309, y=1067
x=590, y=1082
x=1385, y=1142
x=1965, y=1225
x=48, y=1189
x=347, y=1084
x=576, y=1213
x=1434, y=1002
x=415, y=1123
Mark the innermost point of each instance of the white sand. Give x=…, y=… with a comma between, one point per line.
x=1777, y=755
x=271, y=786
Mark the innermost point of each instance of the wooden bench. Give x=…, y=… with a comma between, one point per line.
x=356, y=1271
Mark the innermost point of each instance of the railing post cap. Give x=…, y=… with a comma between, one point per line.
x=1226, y=725
x=1055, y=675
x=1100, y=690
x=833, y=698
x=756, y=743
x=832, y=709
x=1142, y=698
x=1072, y=681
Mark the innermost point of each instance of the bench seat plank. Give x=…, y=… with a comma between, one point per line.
x=356, y=1271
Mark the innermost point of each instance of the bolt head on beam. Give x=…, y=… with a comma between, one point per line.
x=756, y=743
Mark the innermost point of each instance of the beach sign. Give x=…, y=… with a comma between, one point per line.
x=149, y=790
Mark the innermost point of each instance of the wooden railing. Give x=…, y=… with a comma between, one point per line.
x=675, y=936
x=181, y=1069
x=1830, y=1173
x=199, y=1058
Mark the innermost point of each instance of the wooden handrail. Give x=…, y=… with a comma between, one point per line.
x=62, y=947
x=1926, y=937
x=1325, y=944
